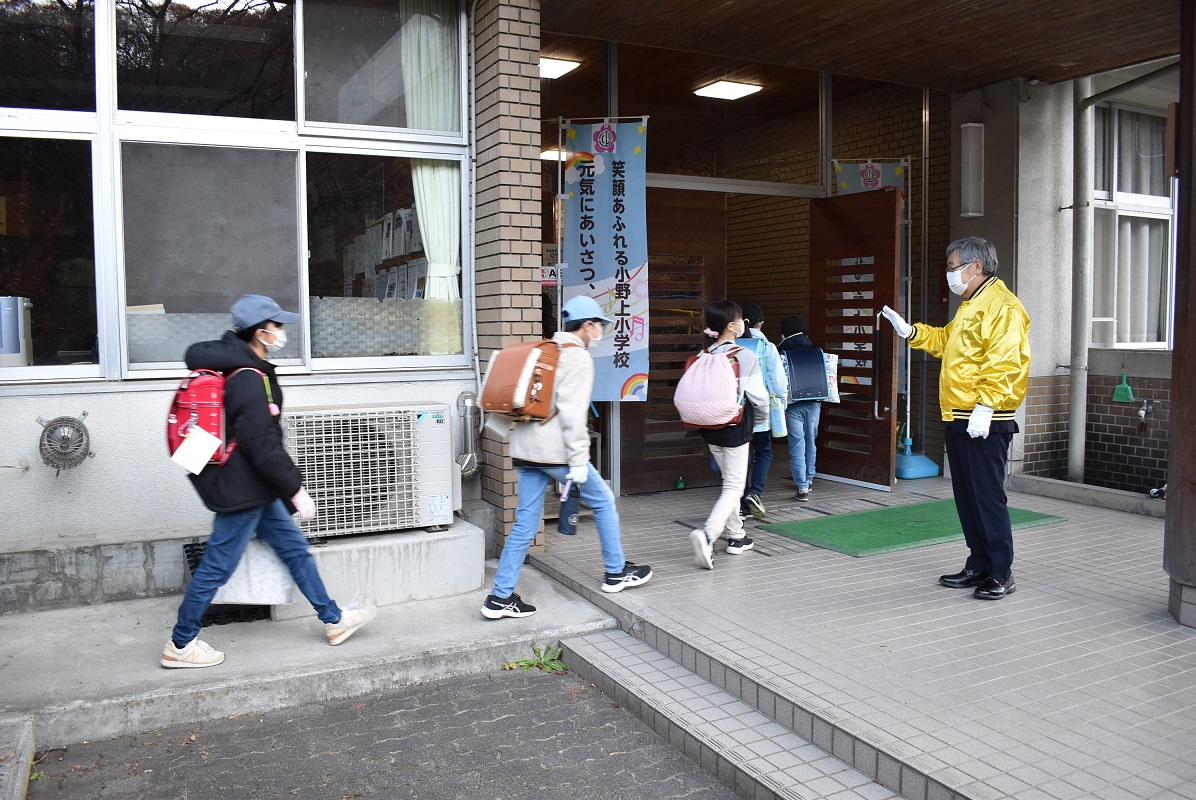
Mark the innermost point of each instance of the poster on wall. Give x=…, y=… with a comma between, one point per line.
x=605, y=244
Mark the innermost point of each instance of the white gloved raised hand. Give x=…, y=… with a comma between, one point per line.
x=304, y=504
x=902, y=328
x=979, y=422
x=578, y=474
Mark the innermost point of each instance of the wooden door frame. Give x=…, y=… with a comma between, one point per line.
x=862, y=429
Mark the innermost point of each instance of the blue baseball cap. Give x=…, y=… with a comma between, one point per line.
x=581, y=308
x=254, y=309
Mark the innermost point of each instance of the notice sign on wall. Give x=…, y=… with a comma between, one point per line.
x=605, y=244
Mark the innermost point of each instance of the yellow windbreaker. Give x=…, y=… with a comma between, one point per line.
x=985, y=351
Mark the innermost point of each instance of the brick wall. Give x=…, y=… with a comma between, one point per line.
x=507, y=237
x=1123, y=450
x=1046, y=427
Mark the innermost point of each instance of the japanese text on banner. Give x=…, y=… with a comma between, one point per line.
x=606, y=247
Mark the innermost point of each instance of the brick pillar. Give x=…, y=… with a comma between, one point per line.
x=507, y=254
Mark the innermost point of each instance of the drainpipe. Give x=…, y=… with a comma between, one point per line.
x=470, y=415
x=1081, y=280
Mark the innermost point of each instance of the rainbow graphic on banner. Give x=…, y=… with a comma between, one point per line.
x=635, y=387
x=578, y=158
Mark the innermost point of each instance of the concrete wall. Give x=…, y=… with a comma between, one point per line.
x=130, y=491
x=1044, y=224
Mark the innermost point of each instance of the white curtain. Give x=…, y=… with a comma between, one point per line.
x=432, y=89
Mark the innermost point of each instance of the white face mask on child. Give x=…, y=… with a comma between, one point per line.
x=280, y=341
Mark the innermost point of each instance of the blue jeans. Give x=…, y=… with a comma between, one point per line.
x=231, y=533
x=761, y=458
x=802, y=419
x=533, y=483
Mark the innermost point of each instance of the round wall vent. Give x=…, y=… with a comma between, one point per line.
x=65, y=442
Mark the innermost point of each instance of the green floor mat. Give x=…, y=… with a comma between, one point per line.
x=887, y=530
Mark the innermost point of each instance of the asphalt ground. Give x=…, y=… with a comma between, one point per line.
x=496, y=736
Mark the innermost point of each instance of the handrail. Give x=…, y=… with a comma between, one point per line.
x=876, y=367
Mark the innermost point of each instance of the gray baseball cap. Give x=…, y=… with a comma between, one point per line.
x=254, y=309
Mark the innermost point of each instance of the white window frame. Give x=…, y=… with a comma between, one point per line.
x=58, y=372
x=108, y=128
x=343, y=131
x=1129, y=204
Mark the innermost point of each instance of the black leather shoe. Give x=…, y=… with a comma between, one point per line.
x=993, y=589
x=963, y=580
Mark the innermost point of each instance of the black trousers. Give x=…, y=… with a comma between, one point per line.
x=978, y=479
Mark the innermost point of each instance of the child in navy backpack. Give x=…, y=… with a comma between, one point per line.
x=730, y=445
x=801, y=416
x=257, y=489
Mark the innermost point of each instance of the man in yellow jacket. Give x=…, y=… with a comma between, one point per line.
x=985, y=351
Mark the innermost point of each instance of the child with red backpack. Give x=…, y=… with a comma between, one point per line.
x=729, y=444
x=257, y=489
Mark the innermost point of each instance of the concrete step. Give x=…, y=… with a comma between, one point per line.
x=398, y=567
x=16, y=756
x=92, y=672
x=757, y=756
x=884, y=765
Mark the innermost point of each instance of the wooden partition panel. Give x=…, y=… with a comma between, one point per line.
x=687, y=269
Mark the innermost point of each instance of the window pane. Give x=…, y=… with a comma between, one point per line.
x=203, y=226
x=1101, y=140
x=1104, y=263
x=231, y=58
x=1142, y=154
x=1142, y=281
x=370, y=248
x=384, y=64
x=47, y=55
x=47, y=253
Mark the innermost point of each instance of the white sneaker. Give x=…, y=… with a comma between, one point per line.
x=352, y=619
x=194, y=654
x=703, y=549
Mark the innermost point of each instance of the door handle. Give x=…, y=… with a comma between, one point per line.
x=876, y=367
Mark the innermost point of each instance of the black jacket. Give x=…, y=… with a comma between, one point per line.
x=798, y=341
x=259, y=471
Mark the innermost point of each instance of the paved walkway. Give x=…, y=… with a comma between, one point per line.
x=1079, y=685
x=495, y=736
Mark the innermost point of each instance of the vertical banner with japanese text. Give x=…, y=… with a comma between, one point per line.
x=605, y=246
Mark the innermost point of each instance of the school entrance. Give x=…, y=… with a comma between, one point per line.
x=738, y=206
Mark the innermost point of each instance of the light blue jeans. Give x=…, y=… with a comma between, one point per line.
x=533, y=484
x=231, y=533
x=802, y=419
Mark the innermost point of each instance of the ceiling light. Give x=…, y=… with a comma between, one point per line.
x=552, y=154
x=556, y=67
x=728, y=90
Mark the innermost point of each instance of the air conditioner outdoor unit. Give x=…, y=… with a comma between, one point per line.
x=374, y=468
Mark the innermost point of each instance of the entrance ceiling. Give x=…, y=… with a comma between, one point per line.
x=941, y=44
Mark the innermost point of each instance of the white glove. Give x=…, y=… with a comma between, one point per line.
x=900, y=326
x=982, y=417
x=578, y=474
x=304, y=504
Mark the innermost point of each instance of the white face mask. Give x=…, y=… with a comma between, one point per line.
x=280, y=341
x=957, y=284
x=737, y=328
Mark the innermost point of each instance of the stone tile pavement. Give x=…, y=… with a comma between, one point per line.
x=1079, y=685
x=493, y=736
